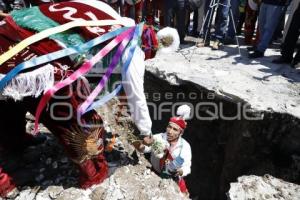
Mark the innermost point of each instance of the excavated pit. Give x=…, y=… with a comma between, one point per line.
x=227, y=137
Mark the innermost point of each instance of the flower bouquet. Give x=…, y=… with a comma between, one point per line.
x=158, y=147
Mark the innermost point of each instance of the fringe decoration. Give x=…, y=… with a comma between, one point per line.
x=86, y=143
x=33, y=19
x=31, y=83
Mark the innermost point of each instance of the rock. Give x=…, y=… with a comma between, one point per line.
x=64, y=160
x=74, y=193
x=52, y=192
x=263, y=188
x=98, y=193
x=29, y=194
x=47, y=183
x=48, y=161
x=31, y=155
x=59, y=179
x=42, y=170
x=54, y=165
x=40, y=177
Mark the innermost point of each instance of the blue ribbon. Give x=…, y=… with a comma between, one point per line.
x=58, y=54
x=109, y=96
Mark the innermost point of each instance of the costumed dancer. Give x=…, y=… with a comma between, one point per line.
x=84, y=145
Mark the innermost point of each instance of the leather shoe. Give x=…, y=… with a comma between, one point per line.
x=295, y=65
x=256, y=54
x=202, y=44
x=216, y=45
x=282, y=60
x=228, y=41
x=252, y=48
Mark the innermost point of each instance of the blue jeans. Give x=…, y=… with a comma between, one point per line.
x=268, y=19
x=222, y=26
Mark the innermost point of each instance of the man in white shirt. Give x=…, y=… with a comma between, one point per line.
x=176, y=159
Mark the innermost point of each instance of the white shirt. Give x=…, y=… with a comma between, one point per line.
x=182, y=148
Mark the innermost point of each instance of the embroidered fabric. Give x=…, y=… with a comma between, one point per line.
x=33, y=19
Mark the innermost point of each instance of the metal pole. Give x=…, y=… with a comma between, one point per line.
x=234, y=28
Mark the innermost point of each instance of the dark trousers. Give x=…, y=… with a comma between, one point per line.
x=223, y=28
x=290, y=42
x=178, y=9
x=199, y=16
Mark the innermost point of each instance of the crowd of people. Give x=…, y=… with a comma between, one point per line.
x=260, y=21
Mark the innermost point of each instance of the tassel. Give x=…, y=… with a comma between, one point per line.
x=184, y=111
x=30, y=83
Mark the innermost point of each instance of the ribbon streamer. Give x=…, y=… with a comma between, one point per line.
x=46, y=33
x=125, y=66
x=79, y=72
x=58, y=54
x=112, y=66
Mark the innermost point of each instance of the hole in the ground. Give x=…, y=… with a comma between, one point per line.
x=226, y=141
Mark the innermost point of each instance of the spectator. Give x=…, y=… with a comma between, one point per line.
x=225, y=32
x=252, y=8
x=291, y=38
x=241, y=21
x=137, y=6
x=149, y=12
x=199, y=16
x=178, y=9
x=2, y=11
x=268, y=19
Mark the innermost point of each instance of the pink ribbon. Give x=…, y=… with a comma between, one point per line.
x=82, y=109
x=79, y=72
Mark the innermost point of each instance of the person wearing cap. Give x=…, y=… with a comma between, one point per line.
x=175, y=162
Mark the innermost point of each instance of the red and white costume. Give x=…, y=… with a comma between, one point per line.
x=93, y=167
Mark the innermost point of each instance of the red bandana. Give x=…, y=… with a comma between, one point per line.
x=179, y=121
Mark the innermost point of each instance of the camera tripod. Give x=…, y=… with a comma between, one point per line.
x=213, y=7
